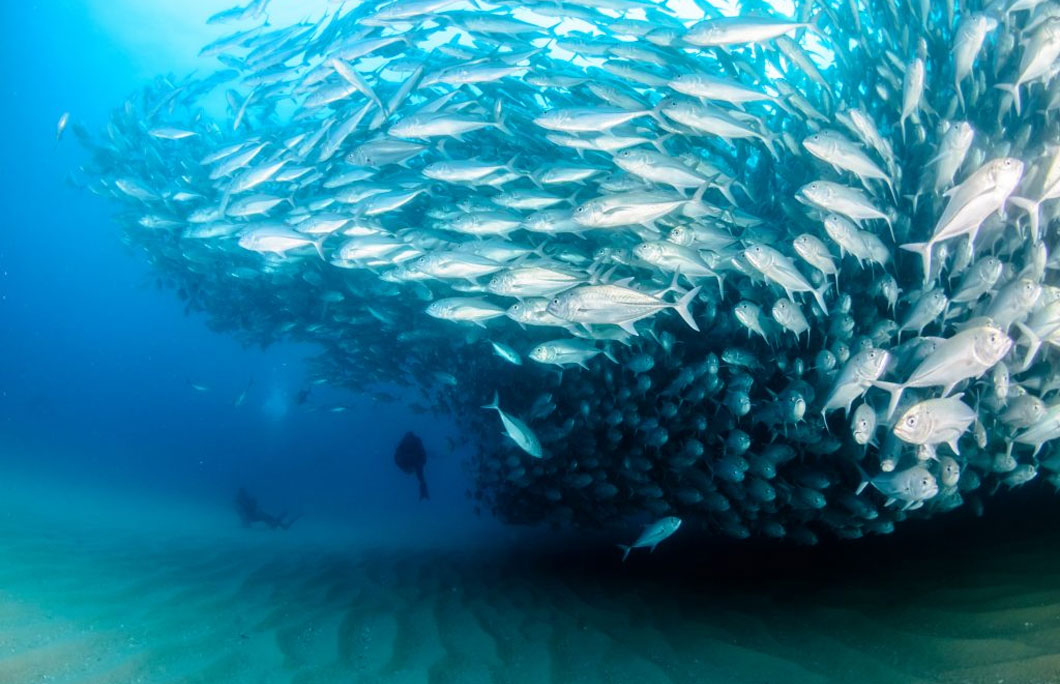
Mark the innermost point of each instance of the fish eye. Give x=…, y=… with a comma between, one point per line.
x=910, y=421
x=555, y=300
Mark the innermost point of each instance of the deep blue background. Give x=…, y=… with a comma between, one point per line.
x=95, y=362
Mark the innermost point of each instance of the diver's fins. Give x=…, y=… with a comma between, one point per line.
x=424, y=494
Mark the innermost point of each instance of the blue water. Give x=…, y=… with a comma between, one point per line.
x=99, y=418
x=97, y=360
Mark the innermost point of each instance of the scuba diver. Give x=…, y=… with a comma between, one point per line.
x=250, y=513
x=410, y=457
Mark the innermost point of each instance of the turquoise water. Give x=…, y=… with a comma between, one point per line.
x=195, y=600
x=205, y=374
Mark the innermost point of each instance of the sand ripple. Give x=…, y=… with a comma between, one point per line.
x=84, y=607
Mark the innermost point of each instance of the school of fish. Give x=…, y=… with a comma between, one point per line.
x=762, y=275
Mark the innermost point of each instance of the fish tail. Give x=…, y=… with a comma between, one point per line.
x=625, y=551
x=924, y=250
x=1013, y=90
x=697, y=196
x=224, y=202
x=672, y=287
x=813, y=22
x=510, y=166
x=657, y=143
x=894, y=195
x=726, y=191
x=682, y=304
x=895, y=389
x=1032, y=208
x=495, y=404
x=498, y=119
x=1034, y=344
x=318, y=244
x=865, y=479
x=818, y=294
x=656, y=112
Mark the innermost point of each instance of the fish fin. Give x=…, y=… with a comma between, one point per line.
x=318, y=244
x=498, y=119
x=656, y=112
x=495, y=404
x=697, y=196
x=865, y=480
x=607, y=352
x=924, y=250
x=1032, y=348
x=224, y=202
x=1031, y=207
x=657, y=143
x=726, y=192
x=630, y=327
x=818, y=294
x=895, y=389
x=625, y=551
x=510, y=166
x=672, y=287
x=682, y=304
x=1013, y=90
x=953, y=445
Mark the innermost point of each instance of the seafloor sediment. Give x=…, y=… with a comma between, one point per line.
x=89, y=603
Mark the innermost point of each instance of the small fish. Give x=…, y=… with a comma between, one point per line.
x=507, y=353
x=653, y=535
x=863, y=425
x=61, y=126
x=912, y=486
x=935, y=421
x=517, y=430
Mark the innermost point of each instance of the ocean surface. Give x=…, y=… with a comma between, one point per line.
x=187, y=496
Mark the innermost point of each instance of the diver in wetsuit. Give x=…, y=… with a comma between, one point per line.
x=411, y=457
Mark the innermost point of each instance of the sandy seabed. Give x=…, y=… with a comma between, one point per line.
x=83, y=602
